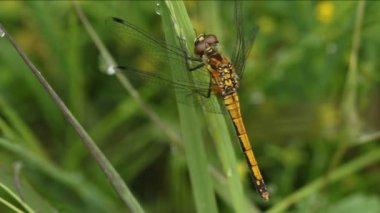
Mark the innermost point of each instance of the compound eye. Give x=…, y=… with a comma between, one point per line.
x=211, y=39
x=200, y=48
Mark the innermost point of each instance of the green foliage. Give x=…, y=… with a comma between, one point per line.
x=309, y=140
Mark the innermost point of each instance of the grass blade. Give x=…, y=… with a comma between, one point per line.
x=76, y=182
x=190, y=125
x=16, y=198
x=109, y=61
x=115, y=179
x=339, y=173
x=16, y=121
x=222, y=136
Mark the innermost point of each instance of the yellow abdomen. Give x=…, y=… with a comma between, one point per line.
x=233, y=107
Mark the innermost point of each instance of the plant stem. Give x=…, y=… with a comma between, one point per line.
x=15, y=197
x=173, y=136
x=177, y=23
x=351, y=122
x=339, y=173
x=115, y=179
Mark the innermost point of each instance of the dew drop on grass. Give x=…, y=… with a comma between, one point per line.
x=158, y=8
x=2, y=33
x=111, y=70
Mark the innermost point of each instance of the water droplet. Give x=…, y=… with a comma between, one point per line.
x=111, y=70
x=158, y=8
x=2, y=33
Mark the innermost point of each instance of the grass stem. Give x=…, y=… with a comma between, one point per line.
x=114, y=178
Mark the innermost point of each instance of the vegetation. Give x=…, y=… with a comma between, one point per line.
x=309, y=101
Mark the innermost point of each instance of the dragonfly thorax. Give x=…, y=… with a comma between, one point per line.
x=223, y=73
x=225, y=78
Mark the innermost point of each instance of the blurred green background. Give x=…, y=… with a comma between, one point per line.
x=314, y=129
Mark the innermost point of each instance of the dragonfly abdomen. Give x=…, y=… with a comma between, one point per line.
x=225, y=83
x=233, y=107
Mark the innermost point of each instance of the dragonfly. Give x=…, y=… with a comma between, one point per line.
x=222, y=75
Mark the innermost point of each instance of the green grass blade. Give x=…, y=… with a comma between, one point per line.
x=77, y=183
x=113, y=177
x=223, y=142
x=190, y=124
x=220, y=182
x=343, y=171
x=10, y=206
x=16, y=198
x=109, y=61
x=222, y=136
x=20, y=126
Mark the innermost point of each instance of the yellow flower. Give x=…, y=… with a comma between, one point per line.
x=325, y=11
x=267, y=25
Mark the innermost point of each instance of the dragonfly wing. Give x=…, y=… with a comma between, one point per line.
x=155, y=70
x=191, y=92
x=158, y=49
x=244, y=40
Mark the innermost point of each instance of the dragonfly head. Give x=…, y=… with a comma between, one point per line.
x=205, y=44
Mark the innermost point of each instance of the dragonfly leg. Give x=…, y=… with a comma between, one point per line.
x=190, y=58
x=200, y=93
x=209, y=89
x=195, y=67
x=208, y=94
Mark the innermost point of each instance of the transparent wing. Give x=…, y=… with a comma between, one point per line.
x=244, y=40
x=128, y=32
x=187, y=87
x=156, y=73
x=187, y=92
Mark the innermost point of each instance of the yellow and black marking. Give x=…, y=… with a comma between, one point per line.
x=225, y=82
x=233, y=106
